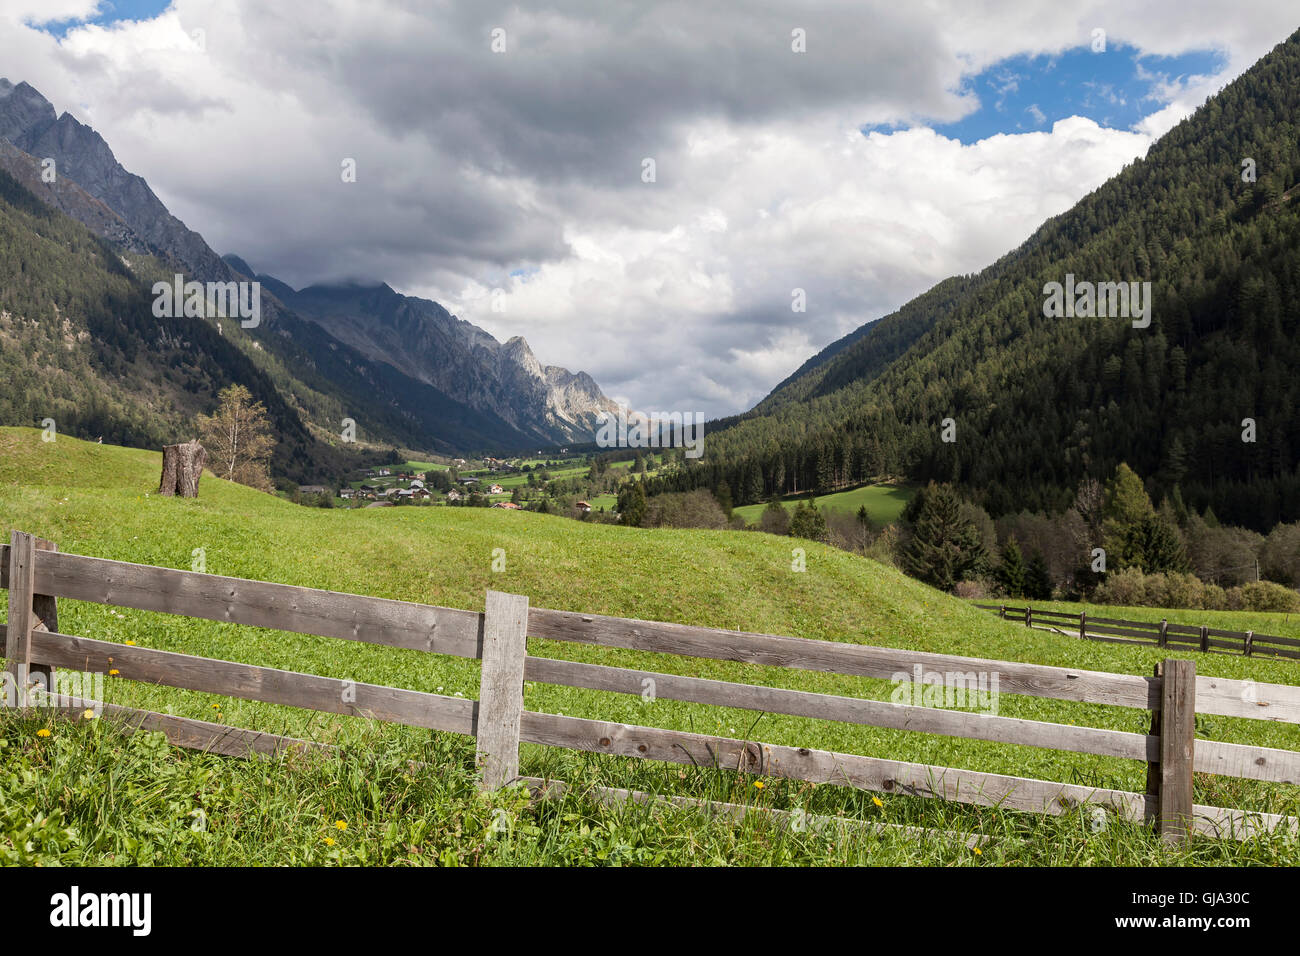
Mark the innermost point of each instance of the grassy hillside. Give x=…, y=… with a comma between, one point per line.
x=884, y=503
x=98, y=500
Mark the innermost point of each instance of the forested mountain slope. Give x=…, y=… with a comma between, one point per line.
x=322, y=374
x=1039, y=403
x=79, y=343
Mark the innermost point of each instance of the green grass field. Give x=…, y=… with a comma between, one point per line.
x=884, y=503
x=520, y=479
x=98, y=500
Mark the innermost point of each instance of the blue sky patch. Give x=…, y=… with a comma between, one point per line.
x=110, y=12
x=1116, y=88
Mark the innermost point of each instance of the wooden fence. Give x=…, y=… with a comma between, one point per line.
x=1180, y=637
x=36, y=574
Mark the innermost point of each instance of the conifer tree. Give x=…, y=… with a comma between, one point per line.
x=1038, y=579
x=631, y=504
x=1157, y=546
x=943, y=545
x=1127, y=507
x=808, y=522
x=1011, y=570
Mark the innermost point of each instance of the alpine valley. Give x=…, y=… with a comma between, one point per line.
x=1037, y=403
x=80, y=344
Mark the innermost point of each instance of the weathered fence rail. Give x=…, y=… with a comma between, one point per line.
x=36, y=575
x=1183, y=637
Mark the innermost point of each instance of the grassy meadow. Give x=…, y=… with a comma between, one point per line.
x=884, y=503
x=99, y=500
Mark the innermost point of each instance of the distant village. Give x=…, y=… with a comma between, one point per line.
x=458, y=482
x=396, y=486
x=579, y=485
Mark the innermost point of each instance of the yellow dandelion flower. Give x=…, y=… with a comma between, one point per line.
x=877, y=801
x=130, y=643
x=43, y=732
x=114, y=672
x=341, y=824
x=89, y=715
x=759, y=784
x=216, y=706
x=978, y=851
x=329, y=841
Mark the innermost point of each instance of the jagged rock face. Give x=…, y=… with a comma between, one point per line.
x=422, y=339
x=21, y=109
x=28, y=121
x=417, y=337
x=575, y=396
x=69, y=198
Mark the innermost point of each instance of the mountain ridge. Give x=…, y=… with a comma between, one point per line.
x=337, y=368
x=425, y=341
x=1036, y=404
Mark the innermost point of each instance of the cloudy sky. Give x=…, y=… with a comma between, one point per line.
x=501, y=150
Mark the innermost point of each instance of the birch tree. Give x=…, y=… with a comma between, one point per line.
x=238, y=439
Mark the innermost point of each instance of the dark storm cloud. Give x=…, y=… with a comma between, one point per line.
x=585, y=91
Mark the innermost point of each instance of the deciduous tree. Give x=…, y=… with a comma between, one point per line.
x=238, y=438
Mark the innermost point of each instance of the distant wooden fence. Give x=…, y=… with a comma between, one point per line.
x=36, y=573
x=1180, y=637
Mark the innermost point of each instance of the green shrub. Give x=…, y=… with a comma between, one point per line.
x=1126, y=586
x=1269, y=596
x=885, y=548
x=1131, y=588
x=971, y=590
x=1215, y=599
x=1181, y=590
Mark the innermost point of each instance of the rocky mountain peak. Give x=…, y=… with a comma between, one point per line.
x=494, y=382
x=22, y=108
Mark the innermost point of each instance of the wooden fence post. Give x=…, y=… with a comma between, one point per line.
x=1250, y=643
x=1152, y=814
x=1083, y=624
x=1205, y=638
x=501, y=689
x=1177, y=748
x=1164, y=632
x=1029, y=616
x=28, y=611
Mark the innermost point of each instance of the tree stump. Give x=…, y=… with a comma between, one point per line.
x=182, y=467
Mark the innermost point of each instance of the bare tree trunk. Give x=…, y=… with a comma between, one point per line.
x=182, y=467
x=171, y=463
x=192, y=464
